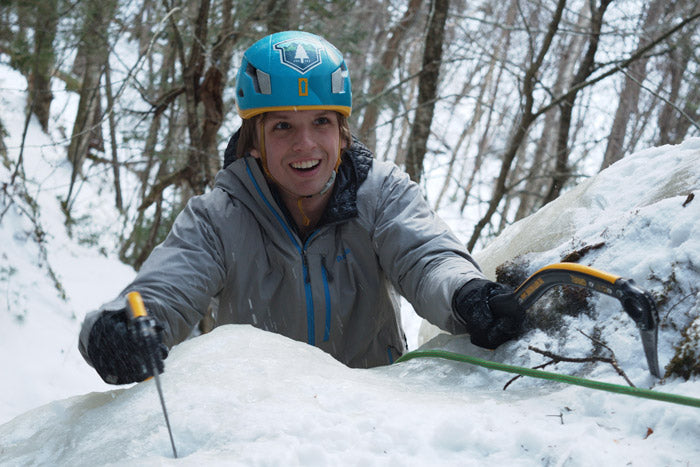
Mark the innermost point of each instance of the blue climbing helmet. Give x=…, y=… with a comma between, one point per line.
x=292, y=70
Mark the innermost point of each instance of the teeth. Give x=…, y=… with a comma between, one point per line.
x=305, y=164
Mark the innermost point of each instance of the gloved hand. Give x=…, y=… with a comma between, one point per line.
x=120, y=353
x=490, y=312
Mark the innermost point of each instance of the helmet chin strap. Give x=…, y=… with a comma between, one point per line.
x=327, y=186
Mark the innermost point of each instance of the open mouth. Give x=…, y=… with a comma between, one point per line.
x=305, y=165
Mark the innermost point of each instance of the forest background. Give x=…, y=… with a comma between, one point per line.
x=494, y=107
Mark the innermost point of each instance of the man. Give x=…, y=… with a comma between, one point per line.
x=304, y=234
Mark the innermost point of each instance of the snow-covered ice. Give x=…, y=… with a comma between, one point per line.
x=240, y=396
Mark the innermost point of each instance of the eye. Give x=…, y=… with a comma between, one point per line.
x=281, y=126
x=322, y=121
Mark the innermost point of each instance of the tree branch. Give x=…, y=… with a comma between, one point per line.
x=618, y=67
x=560, y=358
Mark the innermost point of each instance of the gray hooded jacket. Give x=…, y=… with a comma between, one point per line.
x=337, y=289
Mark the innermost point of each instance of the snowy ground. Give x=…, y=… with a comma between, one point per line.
x=241, y=396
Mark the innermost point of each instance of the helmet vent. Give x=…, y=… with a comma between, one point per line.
x=261, y=80
x=338, y=80
x=264, y=82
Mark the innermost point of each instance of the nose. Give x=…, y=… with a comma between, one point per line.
x=303, y=139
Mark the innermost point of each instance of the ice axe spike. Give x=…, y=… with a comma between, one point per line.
x=636, y=302
x=139, y=317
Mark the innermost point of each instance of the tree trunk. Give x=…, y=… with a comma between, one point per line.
x=113, y=141
x=629, y=98
x=211, y=94
x=46, y=22
x=562, y=171
x=94, y=52
x=677, y=64
x=383, y=71
x=427, y=89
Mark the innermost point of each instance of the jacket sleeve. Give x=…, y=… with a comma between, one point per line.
x=181, y=275
x=421, y=256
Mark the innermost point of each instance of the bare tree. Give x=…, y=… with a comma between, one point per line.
x=541, y=158
x=93, y=52
x=517, y=79
x=528, y=115
x=383, y=71
x=673, y=119
x=427, y=89
x=561, y=169
x=629, y=97
x=487, y=88
x=40, y=95
x=525, y=119
x=118, y=201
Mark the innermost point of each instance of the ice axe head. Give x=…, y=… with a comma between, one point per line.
x=636, y=302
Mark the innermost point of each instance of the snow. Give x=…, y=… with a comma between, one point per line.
x=240, y=396
x=262, y=399
x=38, y=329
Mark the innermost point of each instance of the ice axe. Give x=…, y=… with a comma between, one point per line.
x=145, y=329
x=636, y=302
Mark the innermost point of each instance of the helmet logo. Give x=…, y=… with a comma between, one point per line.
x=303, y=87
x=301, y=56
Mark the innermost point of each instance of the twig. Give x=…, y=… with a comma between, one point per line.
x=560, y=358
x=613, y=358
x=681, y=300
x=560, y=417
x=538, y=367
x=9, y=203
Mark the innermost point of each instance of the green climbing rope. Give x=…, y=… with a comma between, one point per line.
x=599, y=385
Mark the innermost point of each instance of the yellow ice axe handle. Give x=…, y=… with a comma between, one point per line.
x=136, y=305
x=637, y=303
x=142, y=324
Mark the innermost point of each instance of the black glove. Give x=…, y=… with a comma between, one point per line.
x=121, y=353
x=490, y=312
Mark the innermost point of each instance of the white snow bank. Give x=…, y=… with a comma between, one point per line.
x=644, y=192
x=240, y=396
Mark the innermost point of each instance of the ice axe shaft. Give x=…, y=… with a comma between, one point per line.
x=138, y=315
x=636, y=302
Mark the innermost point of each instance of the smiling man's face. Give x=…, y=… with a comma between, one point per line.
x=302, y=149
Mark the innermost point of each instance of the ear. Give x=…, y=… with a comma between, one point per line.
x=255, y=153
